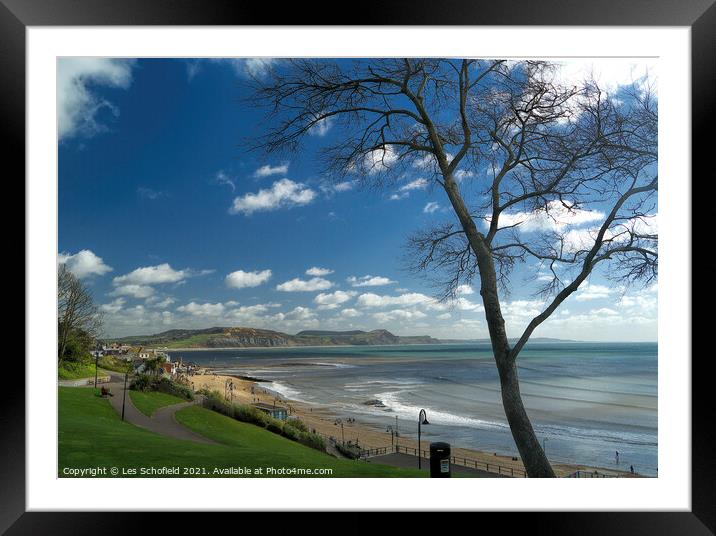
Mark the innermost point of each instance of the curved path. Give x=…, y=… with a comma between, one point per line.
x=161, y=422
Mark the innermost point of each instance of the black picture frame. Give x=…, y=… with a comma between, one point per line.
x=699, y=15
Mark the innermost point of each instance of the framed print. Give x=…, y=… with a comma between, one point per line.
x=286, y=264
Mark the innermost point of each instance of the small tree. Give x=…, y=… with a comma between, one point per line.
x=77, y=315
x=510, y=148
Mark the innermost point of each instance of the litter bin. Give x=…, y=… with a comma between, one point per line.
x=440, y=460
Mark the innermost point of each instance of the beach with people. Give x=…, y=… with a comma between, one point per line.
x=340, y=427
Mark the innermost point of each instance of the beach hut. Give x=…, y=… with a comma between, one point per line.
x=277, y=412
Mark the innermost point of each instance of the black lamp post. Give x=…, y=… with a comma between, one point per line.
x=343, y=437
x=392, y=437
x=422, y=419
x=96, y=362
x=124, y=393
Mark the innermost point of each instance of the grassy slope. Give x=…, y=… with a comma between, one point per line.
x=148, y=403
x=92, y=434
x=75, y=371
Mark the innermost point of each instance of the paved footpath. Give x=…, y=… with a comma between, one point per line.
x=161, y=422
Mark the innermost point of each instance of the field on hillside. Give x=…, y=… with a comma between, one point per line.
x=91, y=434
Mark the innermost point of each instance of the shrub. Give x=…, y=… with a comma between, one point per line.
x=348, y=450
x=250, y=415
x=275, y=426
x=290, y=432
x=312, y=440
x=141, y=383
x=215, y=402
x=297, y=424
x=165, y=385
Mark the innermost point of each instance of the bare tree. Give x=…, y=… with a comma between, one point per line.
x=76, y=310
x=518, y=155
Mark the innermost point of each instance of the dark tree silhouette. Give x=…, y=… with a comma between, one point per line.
x=552, y=154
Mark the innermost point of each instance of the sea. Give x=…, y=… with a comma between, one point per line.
x=587, y=401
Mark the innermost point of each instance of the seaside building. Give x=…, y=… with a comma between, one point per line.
x=277, y=412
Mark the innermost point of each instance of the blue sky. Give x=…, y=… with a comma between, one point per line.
x=172, y=224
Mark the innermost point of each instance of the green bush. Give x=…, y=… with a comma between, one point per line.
x=250, y=415
x=215, y=402
x=290, y=432
x=117, y=364
x=146, y=382
x=165, y=385
x=297, y=424
x=141, y=382
x=348, y=450
x=312, y=440
x=275, y=426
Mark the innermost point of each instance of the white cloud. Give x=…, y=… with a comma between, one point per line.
x=138, y=283
x=223, y=178
x=369, y=281
x=431, y=207
x=591, y=291
x=609, y=73
x=158, y=303
x=135, y=291
x=152, y=275
x=77, y=105
x=379, y=160
x=343, y=186
x=202, y=309
x=398, y=314
x=241, y=279
x=334, y=299
x=374, y=300
x=300, y=285
x=556, y=216
x=113, y=307
x=583, y=239
x=417, y=184
x=350, y=313
x=464, y=290
x=268, y=170
x=258, y=67
x=283, y=193
x=318, y=271
x=300, y=313
x=247, y=67
x=84, y=263
x=322, y=127
x=445, y=316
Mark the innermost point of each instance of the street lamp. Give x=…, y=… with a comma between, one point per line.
x=96, y=361
x=392, y=436
x=124, y=393
x=343, y=437
x=422, y=419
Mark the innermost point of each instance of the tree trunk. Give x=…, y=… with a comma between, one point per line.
x=532, y=454
x=531, y=451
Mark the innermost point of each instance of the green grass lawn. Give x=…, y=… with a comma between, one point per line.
x=91, y=434
x=75, y=371
x=150, y=402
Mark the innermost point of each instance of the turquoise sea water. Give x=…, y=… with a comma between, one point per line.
x=586, y=400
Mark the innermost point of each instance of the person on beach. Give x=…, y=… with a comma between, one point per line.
x=631, y=469
x=617, y=457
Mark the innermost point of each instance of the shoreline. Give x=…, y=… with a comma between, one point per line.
x=322, y=420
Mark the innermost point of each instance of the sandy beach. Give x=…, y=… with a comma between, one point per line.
x=367, y=436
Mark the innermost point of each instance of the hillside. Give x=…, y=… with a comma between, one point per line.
x=239, y=337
